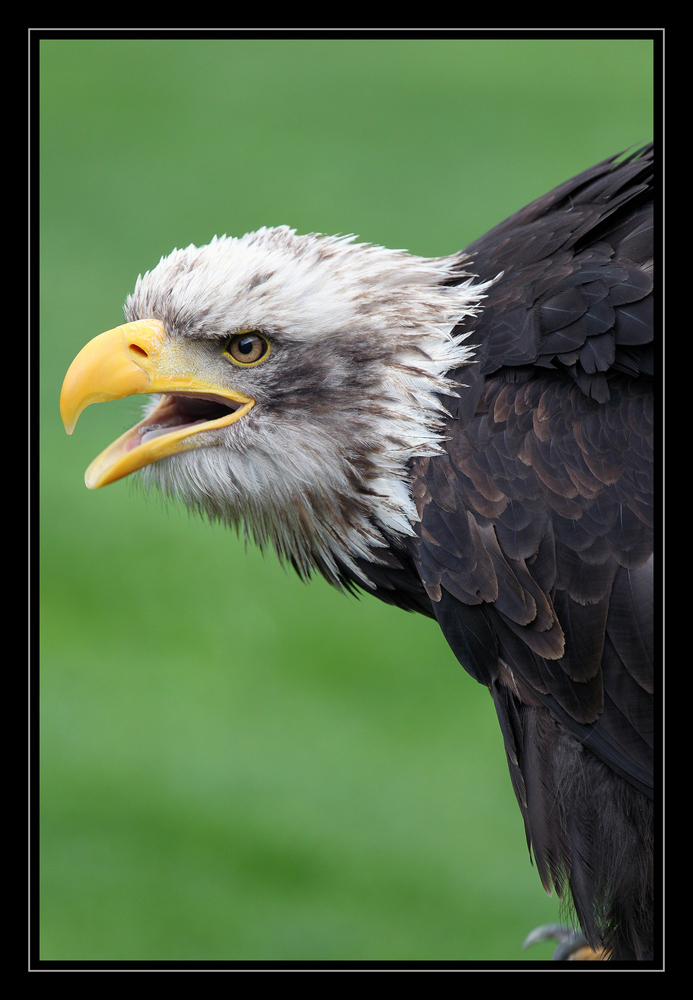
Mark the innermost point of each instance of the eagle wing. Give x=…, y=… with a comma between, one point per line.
x=535, y=540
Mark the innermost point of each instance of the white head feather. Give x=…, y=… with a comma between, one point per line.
x=362, y=341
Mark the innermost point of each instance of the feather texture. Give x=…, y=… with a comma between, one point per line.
x=554, y=464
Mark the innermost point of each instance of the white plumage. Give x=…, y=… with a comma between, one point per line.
x=362, y=336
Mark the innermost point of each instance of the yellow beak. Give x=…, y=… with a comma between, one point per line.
x=138, y=358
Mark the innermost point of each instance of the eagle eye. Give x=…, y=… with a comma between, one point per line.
x=247, y=348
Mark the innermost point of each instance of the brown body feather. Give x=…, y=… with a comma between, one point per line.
x=535, y=541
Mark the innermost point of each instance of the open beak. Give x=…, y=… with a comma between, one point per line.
x=138, y=358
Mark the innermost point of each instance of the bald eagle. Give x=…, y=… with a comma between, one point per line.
x=469, y=437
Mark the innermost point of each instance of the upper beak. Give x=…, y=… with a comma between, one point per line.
x=137, y=358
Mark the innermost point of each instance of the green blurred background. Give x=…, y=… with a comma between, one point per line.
x=234, y=765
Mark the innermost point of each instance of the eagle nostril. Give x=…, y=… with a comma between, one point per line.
x=137, y=351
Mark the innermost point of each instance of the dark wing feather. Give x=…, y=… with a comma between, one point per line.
x=576, y=265
x=535, y=543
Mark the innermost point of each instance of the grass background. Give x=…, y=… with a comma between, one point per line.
x=234, y=765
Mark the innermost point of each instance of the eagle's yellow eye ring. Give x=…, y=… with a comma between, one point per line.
x=247, y=348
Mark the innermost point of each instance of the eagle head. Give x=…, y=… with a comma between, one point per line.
x=292, y=381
